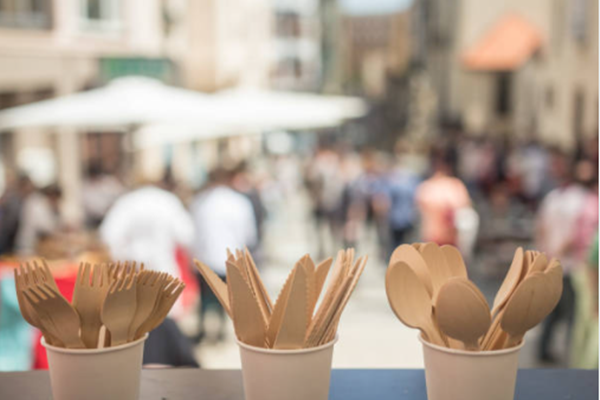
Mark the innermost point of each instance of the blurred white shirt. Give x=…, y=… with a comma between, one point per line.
x=557, y=216
x=37, y=218
x=223, y=219
x=147, y=225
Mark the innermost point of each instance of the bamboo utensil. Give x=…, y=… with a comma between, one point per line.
x=510, y=282
x=462, y=312
x=22, y=279
x=119, y=307
x=56, y=314
x=411, y=256
x=529, y=292
x=248, y=320
x=294, y=321
x=121, y=300
x=533, y=300
x=454, y=260
x=215, y=283
x=410, y=301
x=149, y=284
x=439, y=271
x=295, y=317
x=171, y=290
x=87, y=300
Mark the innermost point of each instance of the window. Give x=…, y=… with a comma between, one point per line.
x=100, y=15
x=579, y=23
x=26, y=14
x=549, y=98
x=503, y=93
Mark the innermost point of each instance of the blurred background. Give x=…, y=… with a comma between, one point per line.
x=163, y=130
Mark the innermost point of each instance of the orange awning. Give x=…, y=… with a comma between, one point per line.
x=505, y=47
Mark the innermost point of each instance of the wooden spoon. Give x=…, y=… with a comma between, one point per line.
x=533, y=300
x=436, y=265
x=454, y=260
x=410, y=300
x=461, y=313
x=411, y=256
x=513, y=276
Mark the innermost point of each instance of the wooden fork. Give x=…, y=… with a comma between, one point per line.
x=56, y=314
x=88, y=298
x=119, y=307
x=165, y=301
x=149, y=284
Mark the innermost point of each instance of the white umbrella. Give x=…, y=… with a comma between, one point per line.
x=122, y=103
x=252, y=111
x=268, y=110
x=140, y=101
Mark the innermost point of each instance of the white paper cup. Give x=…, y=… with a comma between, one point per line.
x=96, y=374
x=470, y=375
x=286, y=374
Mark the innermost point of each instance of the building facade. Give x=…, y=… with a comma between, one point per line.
x=522, y=68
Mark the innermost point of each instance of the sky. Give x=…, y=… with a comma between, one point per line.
x=374, y=7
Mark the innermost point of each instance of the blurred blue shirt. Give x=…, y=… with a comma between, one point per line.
x=16, y=336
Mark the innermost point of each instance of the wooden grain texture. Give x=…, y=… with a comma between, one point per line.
x=250, y=327
x=295, y=319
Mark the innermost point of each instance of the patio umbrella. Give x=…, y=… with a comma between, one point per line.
x=122, y=103
x=132, y=101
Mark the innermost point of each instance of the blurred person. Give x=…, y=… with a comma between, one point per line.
x=438, y=199
x=370, y=200
x=99, y=192
x=243, y=183
x=11, y=204
x=167, y=346
x=16, y=335
x=556, y=236
x=402, y=215
x=39, y=218
x=148, y=225
x=584, y=346
x=535, y=171
x=325, y=186
x=224, y=219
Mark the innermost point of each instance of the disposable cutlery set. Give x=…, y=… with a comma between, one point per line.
x=296, y=319
x=428, y=289
x=122, y=300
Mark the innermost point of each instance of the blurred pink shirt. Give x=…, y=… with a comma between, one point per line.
x=438, y=198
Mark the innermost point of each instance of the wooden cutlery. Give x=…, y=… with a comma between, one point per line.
x=294, y=321
x=120, y=298
x=410, y=301
x=428, y=289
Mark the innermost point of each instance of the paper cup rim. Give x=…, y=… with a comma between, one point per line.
x=286, y=352
x=483, y=353
x=92, y=351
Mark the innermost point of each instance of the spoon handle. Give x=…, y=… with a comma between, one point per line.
x=433, y=334
x=513, y=340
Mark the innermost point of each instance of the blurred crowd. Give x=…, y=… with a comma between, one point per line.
x=483, y=195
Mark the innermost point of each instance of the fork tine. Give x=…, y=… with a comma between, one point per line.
x=47, y=290
x=31, y=296
x=121, y=282
x=79, y=279
x=29, y=272
x=105, y=273
x=96, y=275
x=86, y=274
x=113, y=286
